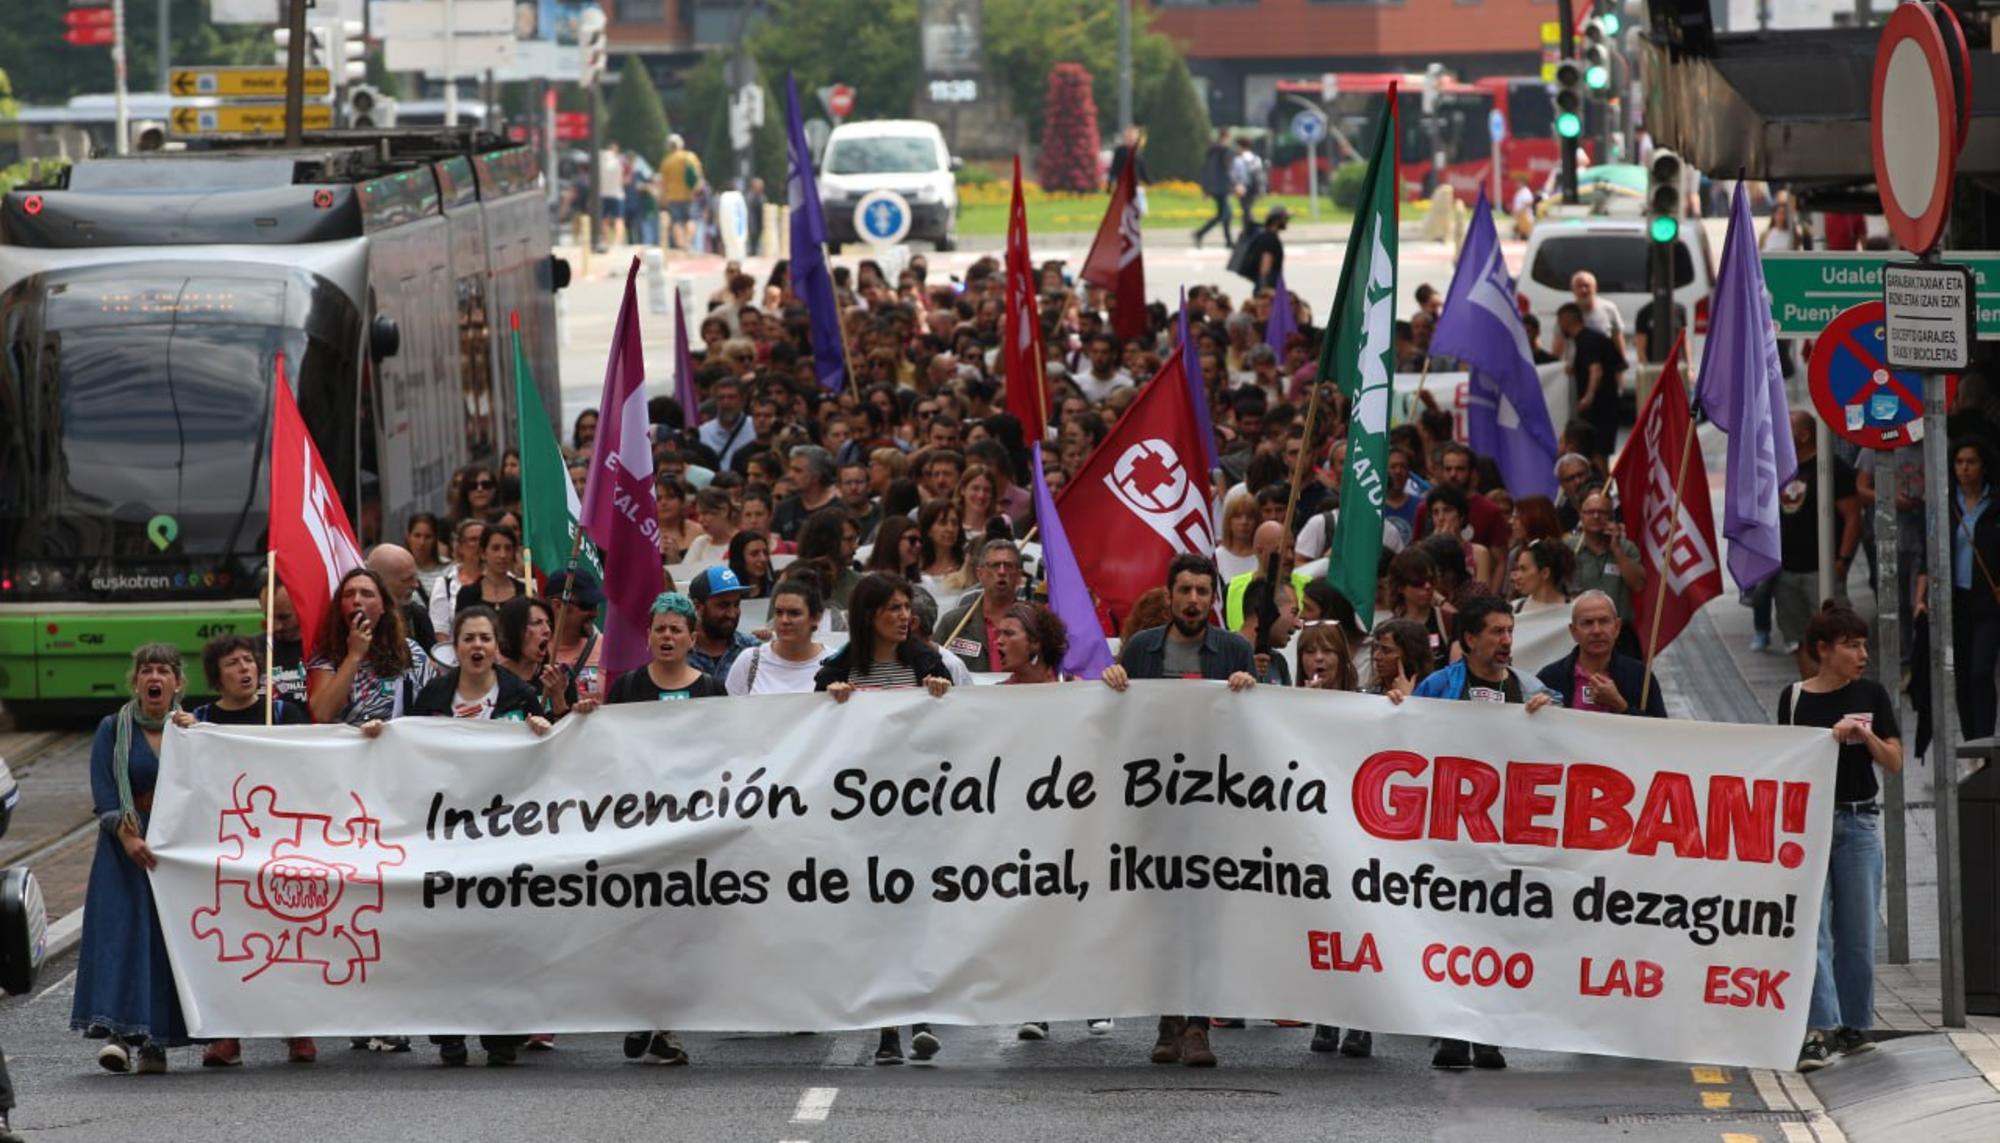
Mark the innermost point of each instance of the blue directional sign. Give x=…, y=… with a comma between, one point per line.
x=1853, y=388
x=1309, y=126
x=882, y=218
x=1496, y=125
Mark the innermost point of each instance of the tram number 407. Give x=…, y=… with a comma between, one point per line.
x=211, y=630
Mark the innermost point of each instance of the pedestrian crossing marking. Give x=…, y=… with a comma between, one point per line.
x=1715, y=1100
x=1710, y=1075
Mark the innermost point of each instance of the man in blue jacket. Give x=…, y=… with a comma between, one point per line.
x=1486, y=630
x=1593, y=676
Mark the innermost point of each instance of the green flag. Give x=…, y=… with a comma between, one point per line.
x=1359, y=353
x=549, y=507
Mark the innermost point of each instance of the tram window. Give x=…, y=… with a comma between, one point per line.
x=475, y=366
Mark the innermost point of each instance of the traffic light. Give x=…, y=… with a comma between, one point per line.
x=1596, y=56
x=591, y=42
x=1569, y=99
x=1664, y=200
x=348, y=51
x=368, y=108
x=1433, y=87
x=1609, y=16
x=317, y=47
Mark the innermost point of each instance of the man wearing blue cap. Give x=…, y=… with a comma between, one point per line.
x=579, y=647
x=718, y=598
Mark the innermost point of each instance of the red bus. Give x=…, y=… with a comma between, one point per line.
x=1527, y=153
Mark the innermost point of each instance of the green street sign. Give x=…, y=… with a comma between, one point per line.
x=1810, y=288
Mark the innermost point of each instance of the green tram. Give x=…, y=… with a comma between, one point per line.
x=146, y=303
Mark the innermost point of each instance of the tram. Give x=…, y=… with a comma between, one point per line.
x=147, y=306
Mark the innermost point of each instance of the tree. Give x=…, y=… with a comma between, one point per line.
x=636, y=119
x=1027, y=38
x=706, y=98
x=1069, y=132
x=47, y=71
x=1176, y=122
x=870, y=45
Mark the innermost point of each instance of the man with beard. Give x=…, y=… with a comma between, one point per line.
x=1485, y=674
x=288, y=652
x=1186, y=648
x=718, y=600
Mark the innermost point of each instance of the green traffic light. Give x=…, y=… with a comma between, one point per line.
x=1569, y=124
x=1664, y=228
x=1612, y=22
x=1597, y=77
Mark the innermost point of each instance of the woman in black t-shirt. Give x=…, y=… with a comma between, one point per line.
x=497, y=583
x=1862, y=716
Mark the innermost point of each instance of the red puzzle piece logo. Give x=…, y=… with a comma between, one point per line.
x=299, y=888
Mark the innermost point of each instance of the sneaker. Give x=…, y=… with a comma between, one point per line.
x=1101, y=1026
x=1816, y=1053
x=1195, y=1052
x=1760, y=641
x=1791, y=647
x=389, y=1044
x=1357, y=1044
x=890, y=1050
x=223, y=1054
x=1225, y=1021
x=542, y=1042
x=452, y=1053
x=1167, y=1049
x=636, y=1043
x=152, y=1061
x=1488, y=1057
x=360, y=1044
x=1851, y=1041
x=1452, y=1054
x=301, y=1050
x=502, y=1055
x=667, y=1049
x=7, y=1134
x=1326, y=1038
x=923, y=1042
x=1033, y=1030
x=113, y=1057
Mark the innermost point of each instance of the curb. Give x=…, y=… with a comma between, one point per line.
x=63, y=935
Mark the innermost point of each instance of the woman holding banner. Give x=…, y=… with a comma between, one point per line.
x=789, y=663
x=124, y=984
x=1862, y=716
x=882, y=653
x=364, y=667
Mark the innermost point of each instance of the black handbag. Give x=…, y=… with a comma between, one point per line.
x=1240, y=261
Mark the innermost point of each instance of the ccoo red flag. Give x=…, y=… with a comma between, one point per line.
x=1675, y=533
x=1027, y=392
x=312, y=544
x=1142, y=496
x=1116, y=261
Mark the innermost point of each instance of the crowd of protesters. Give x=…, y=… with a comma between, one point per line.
x=882, y=535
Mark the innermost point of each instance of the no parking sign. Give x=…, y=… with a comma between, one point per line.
x=1855, y=391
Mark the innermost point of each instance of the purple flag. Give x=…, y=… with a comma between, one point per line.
x=1742, y=390
x=1506, y=415
x=1281, y=325
x=684, y=390
x=1197, y=387
x=810, y=277
x=1069, y=597
x=619, y=515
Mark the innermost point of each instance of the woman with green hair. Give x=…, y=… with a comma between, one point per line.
x=124, y=983
x=668, y=676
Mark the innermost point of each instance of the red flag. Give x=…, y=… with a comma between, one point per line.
x=1675, y=534
x=312, y=543
x=1027, y=392
x=1142, y=496
x=1116, y=261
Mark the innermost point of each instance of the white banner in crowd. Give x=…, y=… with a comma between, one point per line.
x=1560, y=881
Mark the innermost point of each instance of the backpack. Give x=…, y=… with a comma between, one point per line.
x=1241, y=262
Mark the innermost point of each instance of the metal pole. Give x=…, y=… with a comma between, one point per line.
x=1944, y=711
x=1124, y=64
x=295, y=71
x=1312, y=179
x=166, y=42
x=550, y=154
x=1823, y=496
x=1887, y=662
x=596, y=165
x=450, y=64
x=121, y=118
x=1567, y=147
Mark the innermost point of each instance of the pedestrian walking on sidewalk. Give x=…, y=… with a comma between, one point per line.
x=1862, y=715
x=1216, y=184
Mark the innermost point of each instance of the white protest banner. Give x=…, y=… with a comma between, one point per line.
x=1449, y=390
x=1559, y=880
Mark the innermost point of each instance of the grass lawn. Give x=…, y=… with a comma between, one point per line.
x=1081, y=214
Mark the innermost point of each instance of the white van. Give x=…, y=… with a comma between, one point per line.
x=1619, y=252
x=907, y=156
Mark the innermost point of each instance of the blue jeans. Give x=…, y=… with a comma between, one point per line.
x=1844, y=986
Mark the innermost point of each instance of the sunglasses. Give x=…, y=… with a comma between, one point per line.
x=483, y=483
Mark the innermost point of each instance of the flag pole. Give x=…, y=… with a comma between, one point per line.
x=1299, y=466
x=967, y=617
x=1673, y=534
x=270, y=625
x=569, y=589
